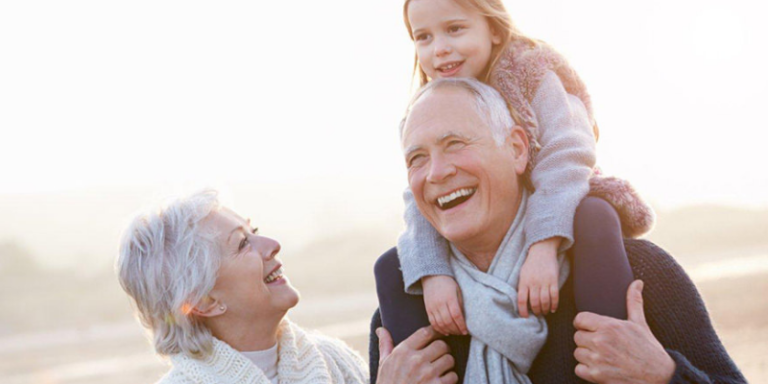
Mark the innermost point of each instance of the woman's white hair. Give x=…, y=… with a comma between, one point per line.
x=488, y=103
x=168, y=264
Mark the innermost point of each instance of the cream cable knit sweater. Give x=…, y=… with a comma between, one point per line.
x=306, y=358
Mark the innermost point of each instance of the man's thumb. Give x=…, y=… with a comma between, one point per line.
x=635, y=311
x=385, y=343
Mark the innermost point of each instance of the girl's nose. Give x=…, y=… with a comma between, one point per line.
x=442, y=47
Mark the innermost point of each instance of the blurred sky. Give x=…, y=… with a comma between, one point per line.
x=295, y=104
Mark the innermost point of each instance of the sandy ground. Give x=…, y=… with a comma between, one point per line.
x=118, y=352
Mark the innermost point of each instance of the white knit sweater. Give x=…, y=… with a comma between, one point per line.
x=304, y=357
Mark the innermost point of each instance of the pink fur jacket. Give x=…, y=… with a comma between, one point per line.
x=517, y=76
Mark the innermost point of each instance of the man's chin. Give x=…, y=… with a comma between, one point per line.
x=457, y=233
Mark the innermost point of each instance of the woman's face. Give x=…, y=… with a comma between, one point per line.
x=451, y=41
x=250, y=282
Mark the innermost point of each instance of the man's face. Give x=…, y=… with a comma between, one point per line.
x=463, y=182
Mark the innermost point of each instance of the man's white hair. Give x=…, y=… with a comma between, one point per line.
x=168, y=264
x=489, y=104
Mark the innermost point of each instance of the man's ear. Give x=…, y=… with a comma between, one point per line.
x=518, y=144
x=209, y=307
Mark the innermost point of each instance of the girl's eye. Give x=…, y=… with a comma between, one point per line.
x=421, y=37
x=455, y=28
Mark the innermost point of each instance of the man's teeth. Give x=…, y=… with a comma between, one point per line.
x=274, y=276
x=455, y=195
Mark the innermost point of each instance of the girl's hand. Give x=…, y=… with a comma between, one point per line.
x=442, y=297
x=538, y=279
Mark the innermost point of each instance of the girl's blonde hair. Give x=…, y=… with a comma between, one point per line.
x=499, y=22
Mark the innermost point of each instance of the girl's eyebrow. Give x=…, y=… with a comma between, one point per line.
x=449, y=21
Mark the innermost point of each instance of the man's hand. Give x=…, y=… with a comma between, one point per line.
x=420, y=358
x=618, y=351
x=538, y=279
x=442, y=298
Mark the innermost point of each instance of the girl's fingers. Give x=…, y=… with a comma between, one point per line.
x=522, y=301
x=450, y=326
x=544, y=295
x=437, y=324
x=554, y=293
x=535, y=302
x=458, y=318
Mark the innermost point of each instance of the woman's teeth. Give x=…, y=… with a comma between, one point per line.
x=274, y=276
x=445, y=200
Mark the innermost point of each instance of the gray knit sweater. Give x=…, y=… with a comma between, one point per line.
x=560, y=177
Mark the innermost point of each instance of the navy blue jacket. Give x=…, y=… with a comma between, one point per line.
x=673, y=308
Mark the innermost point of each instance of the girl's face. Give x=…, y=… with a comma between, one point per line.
x=451, y=41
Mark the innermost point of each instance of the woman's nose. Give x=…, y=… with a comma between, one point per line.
x=268, y=248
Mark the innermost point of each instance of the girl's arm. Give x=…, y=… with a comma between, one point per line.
x=422, y=251
x=423, y=255
x=563, y=165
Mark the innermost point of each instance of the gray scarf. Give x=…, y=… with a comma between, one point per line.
x=504, y=344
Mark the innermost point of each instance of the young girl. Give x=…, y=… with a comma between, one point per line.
x=476, y=38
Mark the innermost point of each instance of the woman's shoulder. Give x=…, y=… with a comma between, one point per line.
x=174, y=376
x=332, y=349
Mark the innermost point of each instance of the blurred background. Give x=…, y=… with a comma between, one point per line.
x=291, y=108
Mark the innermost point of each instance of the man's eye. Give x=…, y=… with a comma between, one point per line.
x=243, y=243
x=455, y=144
x=416, y=160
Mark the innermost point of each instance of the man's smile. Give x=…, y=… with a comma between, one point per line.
x=455, y=198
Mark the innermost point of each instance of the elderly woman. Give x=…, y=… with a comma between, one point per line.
x=212, y=293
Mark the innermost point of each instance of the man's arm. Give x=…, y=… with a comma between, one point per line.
x=676, y=319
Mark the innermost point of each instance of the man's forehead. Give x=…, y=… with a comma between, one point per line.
x=444, y=110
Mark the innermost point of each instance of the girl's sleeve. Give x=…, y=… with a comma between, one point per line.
x=422, y=251
x=563, y=165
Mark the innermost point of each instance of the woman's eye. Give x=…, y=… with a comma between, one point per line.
x=243, y=243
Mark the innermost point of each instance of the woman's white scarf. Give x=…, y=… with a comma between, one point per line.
x=504, y=344
x=303, y=358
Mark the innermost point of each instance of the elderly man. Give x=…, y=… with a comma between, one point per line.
x=449, y=146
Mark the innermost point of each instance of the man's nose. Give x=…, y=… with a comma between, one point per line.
x=440, y=169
